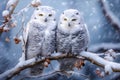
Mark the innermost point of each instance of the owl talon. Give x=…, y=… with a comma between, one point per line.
x=75, y=54
x=86, y=49
x=69, y=54
x=47, y=60
x=38, y=57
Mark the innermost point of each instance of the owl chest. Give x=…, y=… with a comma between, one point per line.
x=40, y=36
x=71, y=39
x=38, y=29
x=68, y=38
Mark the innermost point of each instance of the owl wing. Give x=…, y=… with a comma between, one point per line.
x=87, y=36
x=31, y=45
x=34, y=39
x=80, y=40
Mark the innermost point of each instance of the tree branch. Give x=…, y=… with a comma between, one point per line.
x=28, y=63
x=94, y=58
x=109, y=15
x=11, y=6
x=104, y=46
x=7, y=19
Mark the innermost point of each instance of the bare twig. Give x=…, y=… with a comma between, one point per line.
x=21, y=29
x=11, y=9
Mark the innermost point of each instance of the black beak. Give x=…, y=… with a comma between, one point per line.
x=46, y=20
x=69, y=25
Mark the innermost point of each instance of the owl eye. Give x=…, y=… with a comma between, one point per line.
x=77, y=13
x=40, y=14
x=74, y=19
x=65, y=19
x=50, y=15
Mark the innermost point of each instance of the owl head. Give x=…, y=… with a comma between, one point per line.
x=70, y=20
x=44, y=14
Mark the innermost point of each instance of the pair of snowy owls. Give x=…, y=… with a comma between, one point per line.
x=43, y=36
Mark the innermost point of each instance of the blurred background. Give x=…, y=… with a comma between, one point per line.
x=102, y=33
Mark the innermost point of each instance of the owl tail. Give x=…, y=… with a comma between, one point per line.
x=67, y=64
x=37, y=70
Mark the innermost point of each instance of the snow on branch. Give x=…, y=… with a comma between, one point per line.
x=11, y=5
x=26, y=64
x=104, y=46
x=109, y=15
x=7, y=14
x=94, y=58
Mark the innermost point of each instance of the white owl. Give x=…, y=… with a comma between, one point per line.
x=72, y=36
x=39, y=36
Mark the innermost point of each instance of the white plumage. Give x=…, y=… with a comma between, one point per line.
x=72, y=36
x=39, y=36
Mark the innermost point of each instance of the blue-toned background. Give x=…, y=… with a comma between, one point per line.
x=101, y=31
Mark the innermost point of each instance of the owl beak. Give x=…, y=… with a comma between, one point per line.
x=46, y=20
x=69, y=25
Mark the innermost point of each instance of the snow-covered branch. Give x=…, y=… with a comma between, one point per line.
x=104, y=46
x=26, y=64
x=109, y=15
x=94, y=58
x=11, y=5
x=8, y=16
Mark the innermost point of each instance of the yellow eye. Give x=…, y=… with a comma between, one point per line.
x=65, y=19
x=74, y=19
x=40, y=14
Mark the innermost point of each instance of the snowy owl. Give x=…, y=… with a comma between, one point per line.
x=39, y=36
x=72, y=36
